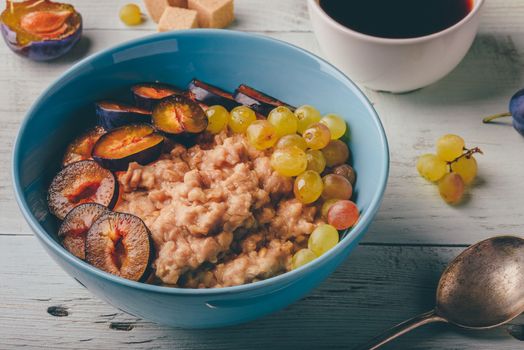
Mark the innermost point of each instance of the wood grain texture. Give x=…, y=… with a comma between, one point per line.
x=374, y=289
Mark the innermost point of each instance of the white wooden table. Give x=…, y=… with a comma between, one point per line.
x=390, y=277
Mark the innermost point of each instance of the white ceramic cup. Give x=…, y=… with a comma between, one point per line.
x=395, y=65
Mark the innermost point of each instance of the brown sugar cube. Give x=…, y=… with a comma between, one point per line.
x=155, y=8
x=213, y=13
x=175, y=18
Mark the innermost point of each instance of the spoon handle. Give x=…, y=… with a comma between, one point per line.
x=401, y=328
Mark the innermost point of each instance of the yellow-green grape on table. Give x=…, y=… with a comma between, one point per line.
x=284, y=121
x=302, y=257
x=335, y=123
x=451, y=188
x=431, y=167
x=326, y=205
x=240, y=118
x=317, y=136
x=289, y=161
x=308, y=186
x=292, y=140
x=322, y=239
x=307, y=115
x=130, y=14
x=336, y=153
x=450, y=147
x=336, y=186
x=217, y=119
x=261, y=134
x=315, y=160
x=466, y=167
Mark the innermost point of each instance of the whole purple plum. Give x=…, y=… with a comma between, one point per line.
x=40, y=30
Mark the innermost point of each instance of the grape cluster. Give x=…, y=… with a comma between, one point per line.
x=307, y=146
x=453, y=168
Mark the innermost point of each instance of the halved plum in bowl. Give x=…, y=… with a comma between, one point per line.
x=81, y=182
x=148, y=95
x=131, y=143
x=82, y=146
x=177, y=114
x=119, y=243
x=40, y=29
x=113, y=114
x=77, y=222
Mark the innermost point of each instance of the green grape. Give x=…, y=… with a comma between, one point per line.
x=431, y=167
x=261, y=134
x=336, y=186
x=292, y=140
x=130, y=14
x=217, y=118
x=315, y=161
x=449, y=147
x=307, y=115
x=451, y=188
x=336, y=125
x=317, y=136
x=240, y=118
x=289, y=161
x=323, y=238
x=347, y=171
x=336, y=153
x=466, y=167
x=284, y=121
x=343, y=214
x=302, y=257
x=308, y=186
x=326, y=205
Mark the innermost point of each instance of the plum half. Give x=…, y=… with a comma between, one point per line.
x=120, y=244
x=210, y=95
x=113, y=115
x=258, y=101
x=40, y=29
x=82, y=146
x=148, y=95
x=177, y=114
x=131, y=143
x=78, y=221
x=81, y=182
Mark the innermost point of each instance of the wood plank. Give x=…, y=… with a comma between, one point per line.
x=374, y=289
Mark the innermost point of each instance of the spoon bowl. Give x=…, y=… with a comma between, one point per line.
x=481, y=288
x=484, y=286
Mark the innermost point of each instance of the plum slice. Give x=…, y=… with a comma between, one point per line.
x=131, y=143
x=82, y=146
x=77, y=222
x=81, y=182
x=148, y=95
x=258, y=101
x=210, y=95
x=177, y=114
x=112, y=114
x=40, y=29
x=120, y=244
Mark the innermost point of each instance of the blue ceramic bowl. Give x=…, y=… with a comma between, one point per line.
x=225, y=59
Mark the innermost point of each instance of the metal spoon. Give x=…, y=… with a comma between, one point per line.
x=482, y=288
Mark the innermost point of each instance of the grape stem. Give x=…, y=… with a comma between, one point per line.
x=496, y=116
x=467, y=154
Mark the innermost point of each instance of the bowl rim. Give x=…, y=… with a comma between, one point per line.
x=53, y=245
x=475, y=11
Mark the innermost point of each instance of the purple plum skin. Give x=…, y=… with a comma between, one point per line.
x=516, y=108
x=41, y=50
x=112, y=119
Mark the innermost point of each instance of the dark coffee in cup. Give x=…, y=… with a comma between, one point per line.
x=397, y=19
